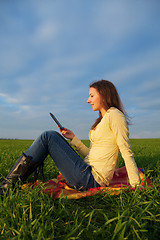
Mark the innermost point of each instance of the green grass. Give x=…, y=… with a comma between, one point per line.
x=130, y=215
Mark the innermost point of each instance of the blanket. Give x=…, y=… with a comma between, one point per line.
x=59, y=188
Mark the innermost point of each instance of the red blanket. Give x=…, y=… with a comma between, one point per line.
x=58, y=188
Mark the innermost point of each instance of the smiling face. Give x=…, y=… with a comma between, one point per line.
x=96, y=101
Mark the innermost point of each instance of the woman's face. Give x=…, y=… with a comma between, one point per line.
x=95, y=100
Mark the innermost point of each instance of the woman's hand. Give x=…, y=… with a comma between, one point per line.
x=67, y=133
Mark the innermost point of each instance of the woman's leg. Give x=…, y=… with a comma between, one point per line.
x=77, y=173
x=21, y=170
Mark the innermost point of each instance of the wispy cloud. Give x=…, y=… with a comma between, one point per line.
x=8, y=99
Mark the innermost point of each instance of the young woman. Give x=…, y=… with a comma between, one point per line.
x=108, y=135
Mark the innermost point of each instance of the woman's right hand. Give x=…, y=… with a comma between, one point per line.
x=67, y=133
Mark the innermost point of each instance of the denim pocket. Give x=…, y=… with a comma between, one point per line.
x=86, y=167
x=83, y=177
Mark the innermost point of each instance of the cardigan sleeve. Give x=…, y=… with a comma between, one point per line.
x=80, y=147
x=120, y=131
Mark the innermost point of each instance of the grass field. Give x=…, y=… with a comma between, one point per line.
x=130, y=215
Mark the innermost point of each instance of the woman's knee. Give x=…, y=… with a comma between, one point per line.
x=47, y=135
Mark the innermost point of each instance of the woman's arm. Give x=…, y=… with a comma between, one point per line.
x=120, y=131
x=80, y=147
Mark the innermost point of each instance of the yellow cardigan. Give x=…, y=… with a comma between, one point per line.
x=109, y=136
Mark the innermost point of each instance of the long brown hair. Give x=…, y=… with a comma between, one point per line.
x=110, y=97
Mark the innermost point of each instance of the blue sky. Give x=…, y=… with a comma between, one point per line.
x=51, y=50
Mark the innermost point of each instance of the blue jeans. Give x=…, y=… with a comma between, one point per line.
x=77, y=173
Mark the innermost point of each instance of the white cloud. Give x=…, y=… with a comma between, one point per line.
x=8, y=99
x=45, y=32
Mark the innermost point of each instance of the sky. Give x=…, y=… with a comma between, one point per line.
x=50, y=51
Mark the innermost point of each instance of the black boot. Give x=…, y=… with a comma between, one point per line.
x=21, y=170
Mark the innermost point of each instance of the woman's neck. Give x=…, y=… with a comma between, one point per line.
x=103, y=111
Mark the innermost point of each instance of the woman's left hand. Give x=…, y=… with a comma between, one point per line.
x=67, y=133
